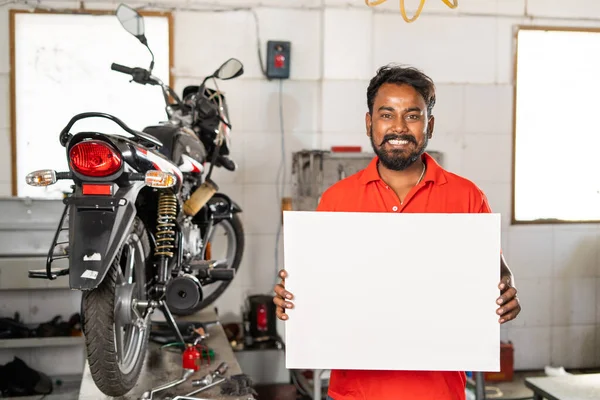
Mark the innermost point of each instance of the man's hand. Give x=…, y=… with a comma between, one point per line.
x=509, y=306
x=282, y=294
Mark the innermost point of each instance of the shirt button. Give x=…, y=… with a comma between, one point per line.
x=395, y=208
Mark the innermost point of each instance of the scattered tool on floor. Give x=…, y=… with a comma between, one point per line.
x=186, y=374
x=210, y=377
x=203, y=388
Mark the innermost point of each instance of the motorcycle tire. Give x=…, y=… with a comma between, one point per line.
x=238, y=230
x=99, y=322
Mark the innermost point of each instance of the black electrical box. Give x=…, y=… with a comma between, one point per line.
x=278, y=59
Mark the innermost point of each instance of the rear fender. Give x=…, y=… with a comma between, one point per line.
x=98, y=226
x=222, y=203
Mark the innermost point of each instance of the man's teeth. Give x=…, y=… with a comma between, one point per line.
x=398, y=142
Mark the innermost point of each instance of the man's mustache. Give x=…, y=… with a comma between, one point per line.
x=389, y=137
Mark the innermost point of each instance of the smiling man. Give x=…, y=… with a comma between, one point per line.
x=404, y=178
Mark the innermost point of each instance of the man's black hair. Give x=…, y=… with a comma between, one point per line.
x=402, y=75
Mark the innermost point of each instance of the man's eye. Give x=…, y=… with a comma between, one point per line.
x=414, y=117
x=386, y=115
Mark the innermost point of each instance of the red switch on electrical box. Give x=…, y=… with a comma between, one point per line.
x=279, y=61
x=261, y=318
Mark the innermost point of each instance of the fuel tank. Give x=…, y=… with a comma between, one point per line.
x=181, y=146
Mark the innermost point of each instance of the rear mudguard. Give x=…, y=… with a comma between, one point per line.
x=97, y=229
x=229, y=205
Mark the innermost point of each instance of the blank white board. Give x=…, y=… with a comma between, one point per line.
x=386, y=291
x=62, y=68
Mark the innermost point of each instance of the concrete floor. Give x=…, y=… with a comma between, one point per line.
x=511, y=390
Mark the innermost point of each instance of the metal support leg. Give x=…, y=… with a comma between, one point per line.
x=170, y=320
x=479, y=386
x=317, y=384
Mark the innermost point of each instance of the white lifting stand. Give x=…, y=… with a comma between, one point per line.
x=162, y=367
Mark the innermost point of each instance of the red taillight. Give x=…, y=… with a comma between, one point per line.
x=94, y=158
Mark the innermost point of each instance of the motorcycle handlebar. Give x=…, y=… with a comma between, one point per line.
x=121, y=68
x=139, y=75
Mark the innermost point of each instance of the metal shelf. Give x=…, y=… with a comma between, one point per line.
x=68, y=389
x=41, y=342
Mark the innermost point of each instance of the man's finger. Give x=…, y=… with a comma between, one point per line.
x=283, y=274
x=507, y=296
x=280, y=290
x=279, y=302
x=511, y=315
x=505, y=283
x=508, y=307
x=280, y=314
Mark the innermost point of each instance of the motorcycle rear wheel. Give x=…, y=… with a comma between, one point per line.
x=116, y=347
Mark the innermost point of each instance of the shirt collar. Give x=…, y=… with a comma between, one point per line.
x=434, y=172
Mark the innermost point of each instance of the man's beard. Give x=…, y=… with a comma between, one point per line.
x=397, y=160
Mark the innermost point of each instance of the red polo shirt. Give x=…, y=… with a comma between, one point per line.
x=438, y=192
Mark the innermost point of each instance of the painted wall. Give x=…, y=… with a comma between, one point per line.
x=337, y=47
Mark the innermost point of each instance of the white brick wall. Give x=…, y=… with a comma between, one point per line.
x=337, y=46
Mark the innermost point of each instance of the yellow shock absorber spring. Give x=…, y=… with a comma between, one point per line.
x=165, y=233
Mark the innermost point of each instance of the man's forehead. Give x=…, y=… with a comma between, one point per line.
x=402, y=93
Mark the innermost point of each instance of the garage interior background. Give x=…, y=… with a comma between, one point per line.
x=336, y=47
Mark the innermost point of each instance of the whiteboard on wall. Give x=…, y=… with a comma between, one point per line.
x=62, y=68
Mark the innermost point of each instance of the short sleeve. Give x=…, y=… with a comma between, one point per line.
x=326, y=202
x=485, y=205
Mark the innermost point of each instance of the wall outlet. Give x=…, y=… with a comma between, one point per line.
x=278, y=59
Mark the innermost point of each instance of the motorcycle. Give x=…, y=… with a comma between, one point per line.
x=141, y=219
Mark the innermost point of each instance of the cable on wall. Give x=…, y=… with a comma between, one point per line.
x=280, y=180
x=453, y=5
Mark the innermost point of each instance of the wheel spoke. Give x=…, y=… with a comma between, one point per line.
x=130, y=264
x=120, y=342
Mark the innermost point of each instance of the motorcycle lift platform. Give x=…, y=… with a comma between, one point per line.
x=162, y=366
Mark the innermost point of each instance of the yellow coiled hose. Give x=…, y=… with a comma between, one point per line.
x=452, y=5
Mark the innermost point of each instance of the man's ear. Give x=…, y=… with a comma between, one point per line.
x=368, y=122
x=430, y=126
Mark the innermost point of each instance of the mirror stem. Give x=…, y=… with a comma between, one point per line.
x=151, y=62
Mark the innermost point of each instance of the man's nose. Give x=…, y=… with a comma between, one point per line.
x=400, y=125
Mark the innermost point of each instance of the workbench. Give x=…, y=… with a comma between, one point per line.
x=163, y=365
x=566, y=387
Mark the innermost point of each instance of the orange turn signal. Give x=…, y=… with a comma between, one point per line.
x=160, y=179
x=43, y=177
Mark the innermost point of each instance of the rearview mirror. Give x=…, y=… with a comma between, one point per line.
x=131, y=21
x=230, y=69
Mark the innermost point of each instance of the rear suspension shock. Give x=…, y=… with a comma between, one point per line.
x=165, y=232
